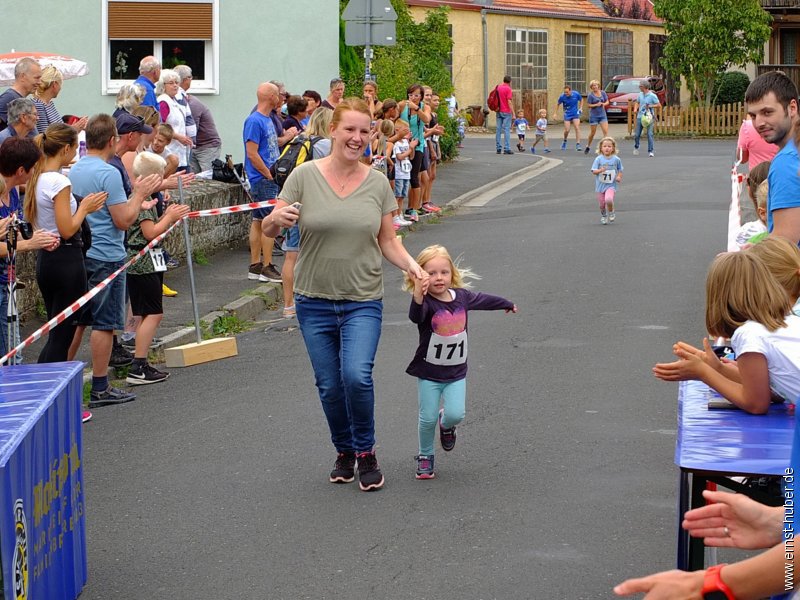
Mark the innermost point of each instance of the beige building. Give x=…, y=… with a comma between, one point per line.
x=545, y=44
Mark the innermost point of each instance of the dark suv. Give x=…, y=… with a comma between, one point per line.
x=623, y=89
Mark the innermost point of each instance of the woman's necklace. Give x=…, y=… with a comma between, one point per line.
x=339, y=181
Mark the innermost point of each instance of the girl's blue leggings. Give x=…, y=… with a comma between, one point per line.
x=453, y=395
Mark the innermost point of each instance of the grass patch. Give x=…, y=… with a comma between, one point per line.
x=41, y=310
x=199, y=257
x=87, y=391
x=229, y=325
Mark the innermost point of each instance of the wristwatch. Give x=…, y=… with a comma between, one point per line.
x=713, y=586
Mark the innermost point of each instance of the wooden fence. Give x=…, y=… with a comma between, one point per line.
x=724, y=119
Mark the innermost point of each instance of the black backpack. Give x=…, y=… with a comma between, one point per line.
x=296, y=152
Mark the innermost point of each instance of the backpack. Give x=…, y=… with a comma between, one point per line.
x=296, y=152
x=493, y=102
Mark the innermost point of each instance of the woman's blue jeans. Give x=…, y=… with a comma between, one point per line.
x=341, y=338
x=637, y=134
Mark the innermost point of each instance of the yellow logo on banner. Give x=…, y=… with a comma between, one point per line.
x=20, y=552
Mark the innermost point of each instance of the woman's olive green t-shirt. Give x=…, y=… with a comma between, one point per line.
x=339, y=254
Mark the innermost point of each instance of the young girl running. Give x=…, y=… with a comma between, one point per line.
x=747, y=304
x=607, y=168
x=440, y=363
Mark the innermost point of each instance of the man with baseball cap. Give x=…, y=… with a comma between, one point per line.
x=92, y=173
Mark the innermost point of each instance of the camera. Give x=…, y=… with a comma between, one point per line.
x=19, y=227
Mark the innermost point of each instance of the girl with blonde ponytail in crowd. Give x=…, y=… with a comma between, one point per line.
x=50, y=206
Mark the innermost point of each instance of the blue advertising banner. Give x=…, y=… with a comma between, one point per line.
x=42, y=522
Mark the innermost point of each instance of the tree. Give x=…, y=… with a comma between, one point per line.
x=419, y=56
x=629, y=9
x=706, y=37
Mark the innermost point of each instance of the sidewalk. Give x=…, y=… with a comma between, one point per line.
x=223, y=281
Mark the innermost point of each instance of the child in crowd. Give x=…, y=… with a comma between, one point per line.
x=521, y=124
x=541, y=132
x=145, y=277
x=607, y=169
x=782, y=258
x=162, y=139
x=755, y=178
x=744, y=302
x=440, y=363
x=402, y=153
x=748, y=231
x=382, y=147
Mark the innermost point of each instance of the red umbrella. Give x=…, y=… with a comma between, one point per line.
x=69, y=67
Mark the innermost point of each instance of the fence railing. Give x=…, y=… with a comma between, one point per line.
x=723, y=119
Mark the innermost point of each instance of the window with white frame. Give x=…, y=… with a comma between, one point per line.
x=526, y=58
x=176, y=32
x=575, y=61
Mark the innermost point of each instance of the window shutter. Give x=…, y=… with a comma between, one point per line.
x=160, y=20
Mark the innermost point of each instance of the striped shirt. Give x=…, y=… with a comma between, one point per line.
x=48, y=114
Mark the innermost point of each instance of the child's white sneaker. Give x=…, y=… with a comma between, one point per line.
x=611, y=216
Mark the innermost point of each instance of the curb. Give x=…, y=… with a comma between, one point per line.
x=523, y=173
x=247, y=308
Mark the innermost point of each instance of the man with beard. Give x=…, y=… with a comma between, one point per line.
x=772, y=104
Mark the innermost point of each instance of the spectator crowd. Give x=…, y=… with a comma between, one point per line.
x=97, y=190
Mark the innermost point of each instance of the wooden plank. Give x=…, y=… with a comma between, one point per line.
x=195, y=354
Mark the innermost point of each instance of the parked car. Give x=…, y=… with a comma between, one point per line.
x=622, y=90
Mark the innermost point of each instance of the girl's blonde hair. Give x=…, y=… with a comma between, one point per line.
x=608, y=138
x=386, y=128
x=782, y=258
x=740, y=288
x=594, y=82
x=459, y=274
x=320, y=122
x=50, y=75
x=762, y=194
x=348, y=104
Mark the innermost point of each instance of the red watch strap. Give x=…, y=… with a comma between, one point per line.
x=713, y=582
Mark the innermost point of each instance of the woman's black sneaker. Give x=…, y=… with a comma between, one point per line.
x=344, y=470
x=370, y=477
x=144, y=374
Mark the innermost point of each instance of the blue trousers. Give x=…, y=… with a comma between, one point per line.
x=453, y=396
x=341, y=338
x=637, y=134
x=504, y=126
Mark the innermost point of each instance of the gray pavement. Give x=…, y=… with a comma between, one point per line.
x=214, y=483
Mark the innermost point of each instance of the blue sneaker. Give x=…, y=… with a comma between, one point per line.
x=425, y=467
x=564, y=145
x=578, y=147
x=533, y=150
x=547, y=150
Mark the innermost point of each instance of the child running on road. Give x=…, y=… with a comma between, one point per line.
x=607, y=168
x=541, y=132
x=440, y=311
x=521, y=125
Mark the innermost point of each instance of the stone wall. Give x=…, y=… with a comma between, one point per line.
x=207, y=234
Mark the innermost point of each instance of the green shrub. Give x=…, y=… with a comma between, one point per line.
x=730, y=87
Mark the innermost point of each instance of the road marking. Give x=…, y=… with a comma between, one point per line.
x=486, y=193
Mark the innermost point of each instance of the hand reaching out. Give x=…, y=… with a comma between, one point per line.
x=735, y=521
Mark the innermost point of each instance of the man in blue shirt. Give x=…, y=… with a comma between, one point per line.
x=260, y=153
x=149, y=72
x=772, y=104
x=107, y=254
x=643, y=107
x=572, y=102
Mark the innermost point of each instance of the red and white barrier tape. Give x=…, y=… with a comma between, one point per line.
x=83, y=300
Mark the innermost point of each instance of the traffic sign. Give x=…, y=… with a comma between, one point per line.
x=381, y=33
x=379, y=10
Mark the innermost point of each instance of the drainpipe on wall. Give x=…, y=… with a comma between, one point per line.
x=485, y=61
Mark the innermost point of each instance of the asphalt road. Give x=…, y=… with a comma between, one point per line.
x=214, y=483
